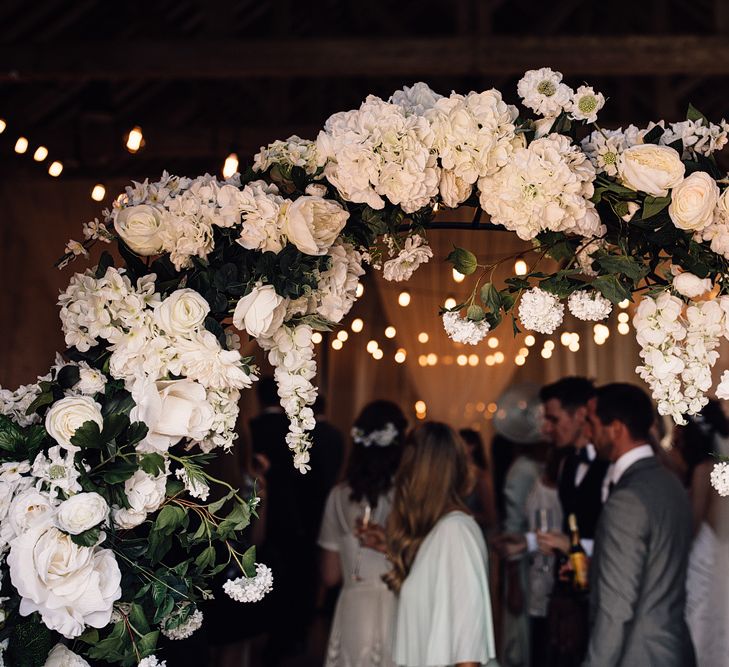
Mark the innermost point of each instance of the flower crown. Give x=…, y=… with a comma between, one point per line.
x=383, y=437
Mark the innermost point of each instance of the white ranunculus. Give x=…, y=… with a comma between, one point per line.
x=145, y=494
x=690, y=285
x=67, y=415
x=260, y=312
x=453, y=189
x=70, y=586
x=172, y=410
x=60, y=656
x=693, y=202
x=312, y=224
x=81, y=512
x=651, y=169
x=91, y=381
x=181, y=312
x=139, y=227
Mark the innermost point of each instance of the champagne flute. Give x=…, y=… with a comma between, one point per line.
x=543, y=523
x=358, y=559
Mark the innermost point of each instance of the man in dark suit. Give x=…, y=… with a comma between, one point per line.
x=638, y=573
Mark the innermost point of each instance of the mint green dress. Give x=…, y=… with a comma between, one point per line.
x=444, y=608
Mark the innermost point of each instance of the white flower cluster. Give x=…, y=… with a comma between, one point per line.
x=540, y=311
x=185, y=629
x=251, y=589
x=294, y=152
x=678, y=350
x=152, y=661
x=717, y=232
x=61, y=656
x=546, y=186
x=291, y=353
x=699, y=137
x=336, y=289
x=720, y=478
x=14, y=404
x=380, y=151
x=415, y=252
x=543, y=91
x=462, y=330
x=590, y=306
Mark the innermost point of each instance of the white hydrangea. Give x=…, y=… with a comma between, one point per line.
x=251, y=589
x=261, y=211
x=720, y=478
x=589, y=305
x=462, y=330
x=152, y=661
x=585, y=104
x=62, y=656
x=603, y=149
x=415, y=252
x=197, y=488
x=722, y=389
x=222, y=432
x=546, y=186
x=717, y=232
x=15, y=404
x=542, y=91
x=540, y=311
x=294, y=152
x=415, y=99
x=193, y=623
x=336, y=289
x=380, y=152
x=697, y=137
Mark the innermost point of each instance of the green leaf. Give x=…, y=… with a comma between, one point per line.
x=87, y=436
x=206, y=558
x=249, y=562
x=114, y=425
x=105, y=261
x=169, y=519
x=11, y=435
x=119, y=402
x=138, y=619
x=464, y=261
x=136, y=432
x=29, y=644
x=611, y=288
x=216, y=505
x=654, y=136
x=89, y=636
x=475, y=313
x=147, y=644
x=692, y=113
x=491, y=297
x=119, y=472
x=68, y=376
x=153, y=464
x=43, y=399
x=625, y=264
x=88, y=538
x=653, y=206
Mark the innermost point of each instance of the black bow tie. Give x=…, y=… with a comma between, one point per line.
x=583, y=456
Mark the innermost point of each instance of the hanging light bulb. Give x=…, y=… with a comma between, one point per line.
x=359, y=291
x=98, y=192
x=624, y=304
x=499, y=357
x=3, y=125
x=316, y=338
x=342, y=335
x=21, y=145
x=489, y=360
x=372, y=346
x=378, y=354
x=55, y=169
x=450, y=303
x=473, y=360
x=529, y=340
x=404, y=299
x=337, y=344
x=390, y=332
x=520, y=360
x=230, y=166
x=623, y=328
x=462, y=360
x=493, y=342
x=458, y=276
x=41, y=153
x=520, y=267
x=423, y=337
x=423, y=360
x=432, y=359
x=357, y=325
x=400, y=356
x=135, y=139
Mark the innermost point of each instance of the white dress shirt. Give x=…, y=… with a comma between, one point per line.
x=628, y=459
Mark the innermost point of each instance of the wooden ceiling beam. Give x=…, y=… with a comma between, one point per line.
x=643, y=55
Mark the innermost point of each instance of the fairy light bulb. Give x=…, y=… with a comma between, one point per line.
x=21, y=145
x=41, y=153
x=404, y=299
x=135, y=139
x=98, y=192
x=357, y=325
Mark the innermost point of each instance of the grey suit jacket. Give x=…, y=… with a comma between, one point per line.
x=638, y=573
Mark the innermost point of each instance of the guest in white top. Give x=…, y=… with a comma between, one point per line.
x=439, y=557
x=361, y=633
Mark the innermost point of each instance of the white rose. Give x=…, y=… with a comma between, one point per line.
x=70, y=586
x=693, y=202
x=67, y=415
x=261, y=312
x=91, y=381
x=81, y=512
x=453, y=189
x=312, y=224
x=690, y=285
x=651, y=169
x=181, y=312
x=172, y=410
x=139, y=227
x=145, y=494
x=60, y=656
x=27, y=509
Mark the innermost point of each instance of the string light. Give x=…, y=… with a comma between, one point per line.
x=436, y=206
x=489, y=360
x=357, y=325
x=493, y=342
x=520, y=360
x=337, y=344
x=400, y=356
x=135, y=139
x=623, y=328
x=432, y=359
x=448, y=360
x=372, y=346
x=404, y=299
x=624, y=304
x=423, y=337
x=565, y=338
x=461, y=359
x=499, y=357
x=3, y=125
x=98, y=192
x=623, y=317
x=600, y=333
x=420, y=406
x=230, y=166
x=546, y=353
x=41, y=153
x=55, y=169
x=21, y=145
x=480, y=406
x=378, y=354
x=574, y=346
x=458, y=276
x=450, y=303
x=342, y=335
x=473, y=360
x=529, y=340
x=492, y=408
x=548, y=344
x=359, y=291
x=520, y=267
x=390, y=332
x=423, y=360
x=316, y=338
x=524, y=352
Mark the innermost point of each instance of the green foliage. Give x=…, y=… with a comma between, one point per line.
x=464, y=261
x=30, y=643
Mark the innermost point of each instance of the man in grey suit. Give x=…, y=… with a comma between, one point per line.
x=638, y=573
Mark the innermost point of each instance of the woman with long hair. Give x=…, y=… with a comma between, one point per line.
x=438, y=556
x=361, y=631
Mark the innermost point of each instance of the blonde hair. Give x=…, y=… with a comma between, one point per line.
x=432, y=480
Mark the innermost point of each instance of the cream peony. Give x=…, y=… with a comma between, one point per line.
x=70, y=586
x=260, y=312
x=67, y=415
x=181, y=312
x=690, y=285
x=172, y=410
x=312, y=224
x=693, y=202
x=651, y=169
x=60, y=656
x=139, y=227
x=81, y=512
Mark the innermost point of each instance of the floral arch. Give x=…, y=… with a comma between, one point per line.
x=103, y=460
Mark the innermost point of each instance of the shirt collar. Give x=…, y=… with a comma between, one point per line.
x=591, y=451
x=628, y=459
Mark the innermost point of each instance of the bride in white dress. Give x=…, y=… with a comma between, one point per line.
x=361, y=633
x=707, y=591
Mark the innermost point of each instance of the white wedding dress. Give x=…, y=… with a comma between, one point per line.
x=361, y=634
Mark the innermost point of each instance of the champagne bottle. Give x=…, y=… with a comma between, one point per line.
x=577, y=556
